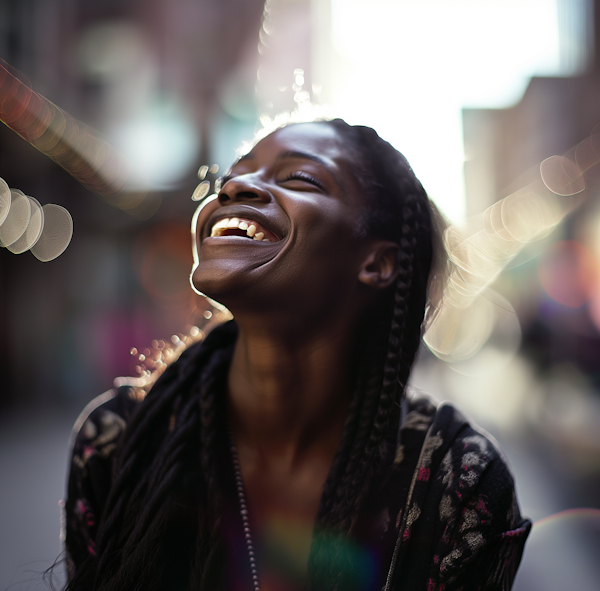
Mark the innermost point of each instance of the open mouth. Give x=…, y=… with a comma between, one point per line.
x=242, y=228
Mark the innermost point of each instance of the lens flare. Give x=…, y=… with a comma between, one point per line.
x=479, y=339
x=582, y=513
x=33, y=231
x=5, y=200
x=56, y=235
x=24, y=223
x=16, y=221
x=463, y=320
x=562, y=176
x=564, y=548
x=77, y=148
x=568, y=273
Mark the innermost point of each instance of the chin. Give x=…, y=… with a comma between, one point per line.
x=224, y=283
x=209, y=282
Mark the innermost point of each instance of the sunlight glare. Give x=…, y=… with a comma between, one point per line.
x=410, y=66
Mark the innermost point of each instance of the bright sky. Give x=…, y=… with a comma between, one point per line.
x=413, y=64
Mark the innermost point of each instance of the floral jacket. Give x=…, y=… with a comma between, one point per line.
x=444, y=517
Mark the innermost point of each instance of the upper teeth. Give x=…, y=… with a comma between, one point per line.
x=252, y=229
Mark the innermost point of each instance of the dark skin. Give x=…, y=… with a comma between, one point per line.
x=299, y=300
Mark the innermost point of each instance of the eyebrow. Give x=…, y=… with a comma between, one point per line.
x=289, y=154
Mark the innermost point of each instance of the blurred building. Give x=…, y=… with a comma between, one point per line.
x=172, y=84
x=504, y=149
x=556, y=287
x=161, y=80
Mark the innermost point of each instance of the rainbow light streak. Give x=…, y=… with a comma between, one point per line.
x=580, y=512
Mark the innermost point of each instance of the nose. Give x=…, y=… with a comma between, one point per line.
x=243, y=188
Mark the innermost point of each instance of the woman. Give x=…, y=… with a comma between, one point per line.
x=283, y=452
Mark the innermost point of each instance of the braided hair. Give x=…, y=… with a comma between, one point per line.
x=161, y=527
x=397, y=210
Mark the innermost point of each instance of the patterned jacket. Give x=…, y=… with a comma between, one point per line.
x=443, y=517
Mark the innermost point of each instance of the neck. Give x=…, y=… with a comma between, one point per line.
x=289, y=391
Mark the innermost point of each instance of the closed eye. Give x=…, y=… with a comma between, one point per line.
x=300, y=175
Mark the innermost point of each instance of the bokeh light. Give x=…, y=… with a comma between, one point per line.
x=159, y=145
x=32, y=232
x=56, y=234
x=569, y=273
x=26, y=225
x=17, y=219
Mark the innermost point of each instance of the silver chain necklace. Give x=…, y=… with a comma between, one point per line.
x=241, y=493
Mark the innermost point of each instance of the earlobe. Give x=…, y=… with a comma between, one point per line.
x=380, y=267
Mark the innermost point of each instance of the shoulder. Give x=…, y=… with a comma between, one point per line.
x=465, y=487
x=101, y=423
x=104, y=418
x=470, y=460
x=460, y=526
x=93, y=441
x=458, y=460
x=101, y=428
x=457, y=450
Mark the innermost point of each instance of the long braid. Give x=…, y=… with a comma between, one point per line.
x=131, y=466
x=164, y=471
x=141, y=428
x=340, y=461
x=155, y=514
x=395, y=372
x=388, y=180
x=146, y=511
x=209, y=549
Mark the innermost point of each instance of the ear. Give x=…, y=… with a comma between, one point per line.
x=380, y=267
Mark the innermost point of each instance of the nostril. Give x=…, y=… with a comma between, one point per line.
x=237, y=196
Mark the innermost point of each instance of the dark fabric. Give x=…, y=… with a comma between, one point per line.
x=460, y=528
x=442, y=517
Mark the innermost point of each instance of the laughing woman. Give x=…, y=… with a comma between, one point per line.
x=284, y=452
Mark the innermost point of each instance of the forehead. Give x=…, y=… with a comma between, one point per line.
x=316, y=139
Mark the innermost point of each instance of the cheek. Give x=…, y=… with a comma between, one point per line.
x=327, y=248
x=329, y=230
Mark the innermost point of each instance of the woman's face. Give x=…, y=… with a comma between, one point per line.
x=282, y=233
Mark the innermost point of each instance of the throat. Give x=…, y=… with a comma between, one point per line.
x=277, y=516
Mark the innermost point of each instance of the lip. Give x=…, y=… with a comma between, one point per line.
x=278, y=227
